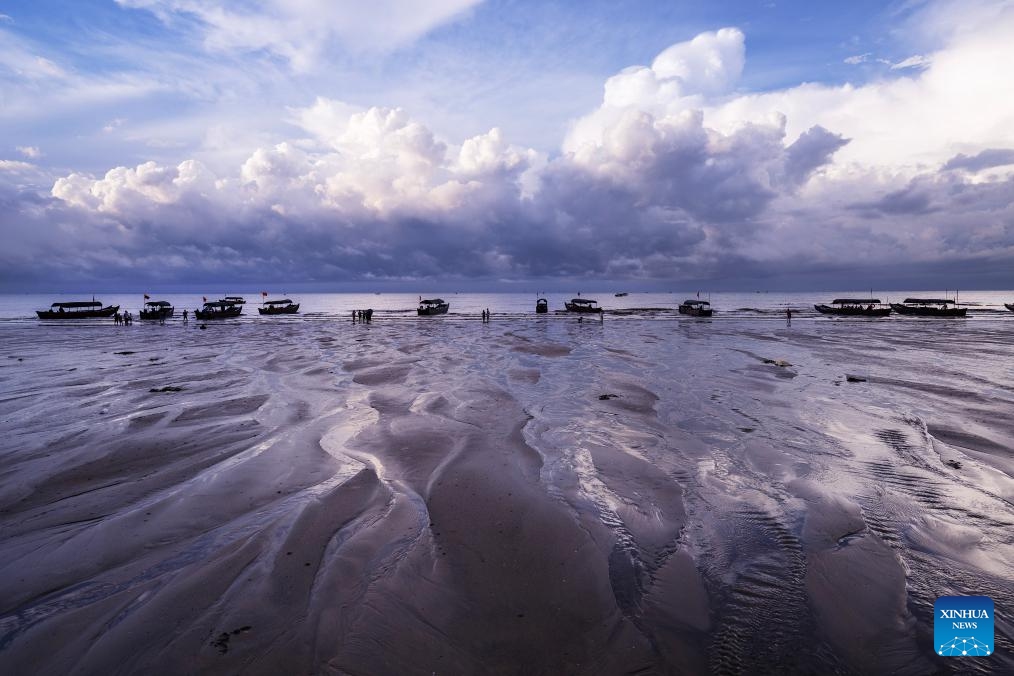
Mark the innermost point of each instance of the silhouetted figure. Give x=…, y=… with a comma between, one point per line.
x=117, y=318
x=369, y=315
x=788, y=316
x=185, y=317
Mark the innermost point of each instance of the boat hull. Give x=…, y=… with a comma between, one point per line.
x=286, y=310
x=541, y=308
x=107, y=311
x=928, y=311
x=694, y=312
x=157, y=314
x=430, y=311
x=1009, y=306
x=205, y=315
x=584, y=309
x=853, y=311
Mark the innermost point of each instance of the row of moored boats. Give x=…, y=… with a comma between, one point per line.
x=919, y=307
x=232, y=306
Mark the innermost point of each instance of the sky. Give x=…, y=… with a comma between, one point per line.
x=341, y=145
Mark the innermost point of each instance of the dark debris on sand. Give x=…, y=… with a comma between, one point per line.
x=221, y=641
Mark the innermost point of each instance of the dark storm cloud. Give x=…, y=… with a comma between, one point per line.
x=812, y=150
x=911, y=200
x=987, y=159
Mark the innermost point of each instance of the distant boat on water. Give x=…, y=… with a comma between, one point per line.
x=621, y=294
x=929, y=307
x=854, y=307
x=541, y=306
x=78, y=310
x=582, y=305
x=219, y=310
x=157, y=309
x=696, y=308
x=282, y=306
x=433, y=306
x=235, y=300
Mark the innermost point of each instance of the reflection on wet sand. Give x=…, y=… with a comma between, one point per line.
x=524, y=497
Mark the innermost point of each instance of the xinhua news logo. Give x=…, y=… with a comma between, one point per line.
x=963, y=626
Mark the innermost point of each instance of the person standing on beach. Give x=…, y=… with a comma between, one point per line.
x=184, y=316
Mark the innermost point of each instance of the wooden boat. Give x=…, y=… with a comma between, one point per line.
x=582, y=305
x=541, y=306
x=433, y=306
x=157, y=309
x=695, y=308
x=929, y=307
x=283, y=306
x=854, y=307
x=1009, y=306
x=235, y=300
x=218, y=310
x=78, y=310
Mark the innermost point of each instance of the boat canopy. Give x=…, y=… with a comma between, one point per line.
x=582, y=301
x=233, y=298
x=928, y=301
x=854, y=301
x=157, y=303
x=80, y=303
x=219, y=303
x=433, y=301
x=700, y=303
x=283, y=301
x=541, y=301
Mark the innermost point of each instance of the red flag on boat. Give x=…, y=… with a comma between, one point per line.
x=205, y=298
x=147, y=297
x=264, y=293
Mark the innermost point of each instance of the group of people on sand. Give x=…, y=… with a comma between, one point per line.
x=362, y=315
x=485, y=316
x=125, y=318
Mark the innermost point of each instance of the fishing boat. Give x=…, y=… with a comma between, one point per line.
x=621, y=294
x=582, y=305
x=219, y=310
x=929, y=307
x=235, y=300
x=157, y=309
x=541, y=306
x=433, y=306
x=854, y=307
x=695, y=308
x=283, y=306
x=1009, y=306
x=78, y=310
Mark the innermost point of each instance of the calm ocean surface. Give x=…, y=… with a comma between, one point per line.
x=759, y=305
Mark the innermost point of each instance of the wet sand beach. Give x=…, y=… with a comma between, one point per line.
x=537, y=496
